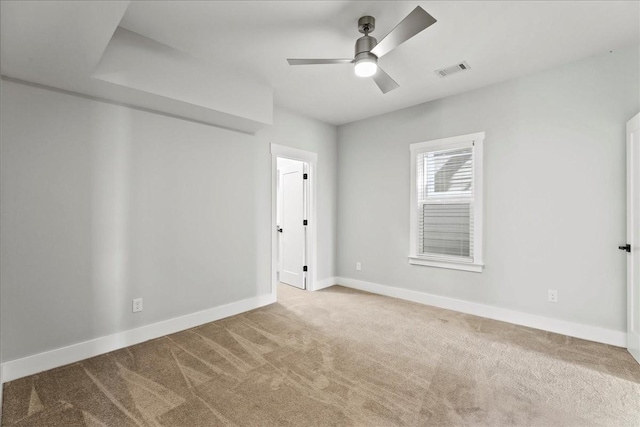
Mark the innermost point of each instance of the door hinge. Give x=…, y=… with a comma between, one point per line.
x=626, y=247
x=305, y=176
x=305, y=222
x=304, y=268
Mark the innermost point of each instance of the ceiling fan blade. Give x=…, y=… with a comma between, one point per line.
x=384, y=82
x=418, y=20
x=319, y=61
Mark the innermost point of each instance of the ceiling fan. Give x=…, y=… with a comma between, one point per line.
x=368, y=50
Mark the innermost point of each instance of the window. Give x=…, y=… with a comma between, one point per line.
x=446, y=203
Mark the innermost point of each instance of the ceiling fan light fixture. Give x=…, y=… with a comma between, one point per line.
x=368, y=50
x=366, y=65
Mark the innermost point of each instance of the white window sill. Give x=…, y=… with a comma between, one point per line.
x=464, y=266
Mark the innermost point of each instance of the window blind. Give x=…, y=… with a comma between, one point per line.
x=445, y=203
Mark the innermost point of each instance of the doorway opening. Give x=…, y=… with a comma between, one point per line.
x=291, y=221
x=293, y=254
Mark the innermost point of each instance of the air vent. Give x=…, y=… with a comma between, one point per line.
x=445, y=72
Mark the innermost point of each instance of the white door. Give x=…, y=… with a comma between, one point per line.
x=291, y=228
x=633, y=237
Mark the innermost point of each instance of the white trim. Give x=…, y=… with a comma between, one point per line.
x=312, y=160
x=633, y=342
x=30, y=365
x=473, y=139
x=1, y=391
x=325, y=283
x=453, y=265
x=434, y=144
x=633, y=336
x=633, y=123
x=478, y=199
x=577, y=330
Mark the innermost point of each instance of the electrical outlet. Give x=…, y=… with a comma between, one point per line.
x=137, y=305
x=358, y=266
x=552, y=295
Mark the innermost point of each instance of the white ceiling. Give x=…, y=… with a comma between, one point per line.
x=76, y=46
x=61, y=43
x=500, y=40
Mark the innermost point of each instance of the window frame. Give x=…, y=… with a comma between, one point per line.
x=476, y=140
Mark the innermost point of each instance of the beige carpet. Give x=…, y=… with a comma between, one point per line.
x=339, y=357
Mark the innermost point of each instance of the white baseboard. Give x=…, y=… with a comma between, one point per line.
x=30, y=365
x=325, y=283
x=1, y=392
x=577, y=330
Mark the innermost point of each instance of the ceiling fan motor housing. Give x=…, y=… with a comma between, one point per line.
x=364, y=45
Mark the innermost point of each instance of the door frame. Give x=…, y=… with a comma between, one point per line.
x=311, y=159
x=633, y=341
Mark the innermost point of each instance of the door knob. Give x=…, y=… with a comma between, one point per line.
x=279, y=229
x=626, y=247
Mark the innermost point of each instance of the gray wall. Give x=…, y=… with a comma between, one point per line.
x=554, y=191
x=102, y=203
